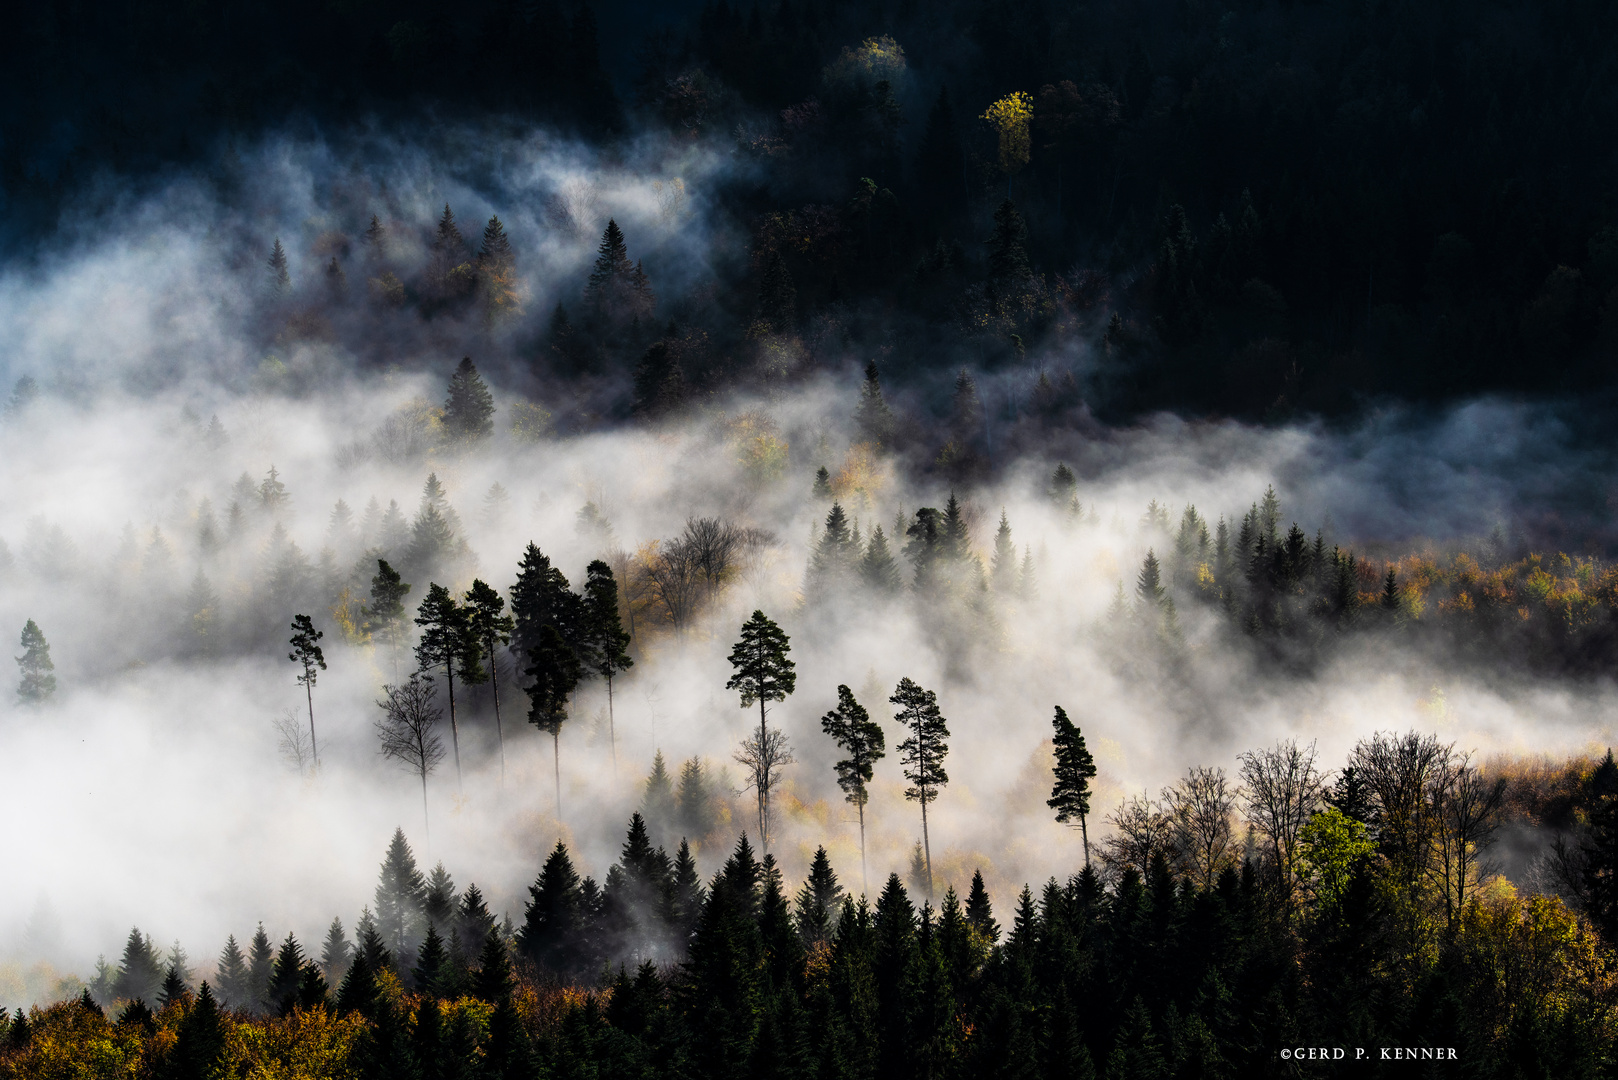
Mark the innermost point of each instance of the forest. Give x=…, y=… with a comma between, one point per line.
x=724, y=497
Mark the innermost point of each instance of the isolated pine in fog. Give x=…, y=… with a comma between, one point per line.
x=334, y=952
x=447, y=643
x=604, y=642
x=878, y=570
x=861, y=738
x=922, y=753
x=762, y=674
x=1070, y=795
x=872, y=416
x=280, y=278
x=401, y=894
x=1003, y=563
x=37, y=683
x=384, y=615
x=469, y=408
x=310, y=660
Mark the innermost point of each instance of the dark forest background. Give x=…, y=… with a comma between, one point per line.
x=1252, y=210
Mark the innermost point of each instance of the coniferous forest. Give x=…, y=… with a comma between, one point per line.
x=799, y=539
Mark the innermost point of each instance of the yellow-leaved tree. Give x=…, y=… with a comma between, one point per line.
x=1010, y=117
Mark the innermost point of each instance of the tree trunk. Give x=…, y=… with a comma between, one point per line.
x=763, y=778
x=556, y=760
x=314, y=748
x=865, y=881
x=612, y=730
x=454, y=734
x=926, y=843
x=1085, y=833
x=494, y=681
x=426, y=830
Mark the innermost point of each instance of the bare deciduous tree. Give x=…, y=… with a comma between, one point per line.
x=1280, y=790
x=408, y=732
x=1400, y=771
x=671, y=575
x=1199, y=810
x=1466, y=806
x=295, y=747
x=1141, y=829
x=763, y=755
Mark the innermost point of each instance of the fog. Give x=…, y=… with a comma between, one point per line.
x=151, y=791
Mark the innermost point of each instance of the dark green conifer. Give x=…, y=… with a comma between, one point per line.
x=872, y=416
x=447, y=642
x=232, y=976
x=922, y=754
x=878, y=570
x=979, y=913
x=818, y=900
x=401, y=895
x=334, y=952
x=469, y=408
x=200, y=1040
x=1070, y=795
x=762, y=673
x=280, y=278
x=554, y=917
x=861, y=738
x=260, y=965
x=37, y=682
x=284, y=976
x=604, y=643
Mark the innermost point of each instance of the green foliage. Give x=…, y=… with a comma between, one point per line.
x=37, y=683
x=469, y=408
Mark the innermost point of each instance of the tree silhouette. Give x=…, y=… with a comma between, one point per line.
x=922, y=753
x=447, y=642
x=408, y=732
x=469, y=408
x=861, y=739
x=762, y=674
x=487, y=625
x=1070, y=795
x=37, y=683
x=605, y=642
x=310, y=660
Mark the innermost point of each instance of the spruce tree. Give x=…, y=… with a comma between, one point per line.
x=835, y=557
x=554, y=671
x=1064, y=486
x=979, y=912
x=285, y=975
x=1070, y=795
x=554, y=917
x=469, y=408
x=604, y=644
x=762, y=673
x=280, y=279
x=199, y=1041
x=1003, y=564
x=878, y=570
x=140, y=971
x=401, y=896
x=496, y=252
x=334, y=953
x=231, y=975
x=260, y=960
x=488, y=625
x=37, y=683
x=447, y=266
x=432, y=964
x=174, y=991
x=305, y=642
x=872, y=416
x=861, y=738
x=922, y=754
x=818, y=900
x=657, y=797
x=439, y=903
x=695, y=815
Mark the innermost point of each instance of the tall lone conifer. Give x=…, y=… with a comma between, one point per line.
x=469, y=408
x=489, y=626
x=447, y=642
x=37, y=683
x=922, y=754
x=861, y=739
x=605, y=643
x=762, y=674
x=307, y=655
x=1070, y=795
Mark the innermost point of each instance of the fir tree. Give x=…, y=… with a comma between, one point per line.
x=311, y=661
x=37, y=683
x=822, y=486
x=1003, y=564
x=488, y=625
x=232, y=976
x=140, y=971
x=448, y=272
x=878, y=570
x=762, y=673
x=334, y=953
x=199, y=1041
x=432, y=963
x=554, y=671
x=469, y=408
x=657, y=796
x=554, y=916
x=174, y=991
x=401, y=895
x=1028, y=576
x=872, y=416
x=695, y=814
x=922, y=754
x=1064, y=486
x=817, y=901
x=860, y=737
x=272, y=493
x=260, y=961
x=835, y=556
x=285, y=974
x=1070, y=795
x=604, y=643
x=979, y=913
x=280, y=279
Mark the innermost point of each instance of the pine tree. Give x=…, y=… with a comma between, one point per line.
x=375, y=239
x=310, y=660
x=280, y=279
x=922, y=754
x=260, y=960
x=1149, y=592
x=432, y=964
x=1064, y=486
x=447, y=642
x=232, y=976
x=979, y=913
x=469, y=408
x=1070, y=796
x=878, y=570
x=334, y=953
x=695, y=802
x=384, y=615
x=487, y=625
x=285, y=975
x=835, y=556
x=448, y=272
x=657, y=798
x=401, y=895
x=861, y=738
x=1028, y=575
x=1003, y=564
x=554, y=916
x=272, y=493
x=817, y=902
x=605, y=643
x=822, y=486
x=37, y=683
x=762, y=673
x=554, y=671
x=140, y=971
x=200, y=1040
x=872, y=416
x=174, y=991
x=547, y=619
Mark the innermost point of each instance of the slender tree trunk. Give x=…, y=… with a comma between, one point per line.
x=612, y=731
x=763, y=778
x=865, y=881
x=314, y=748
x=1085, y=833
x=926, y=843
x=494, y=681
x=556, y=760
x=454, y=733
x=426, y=829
